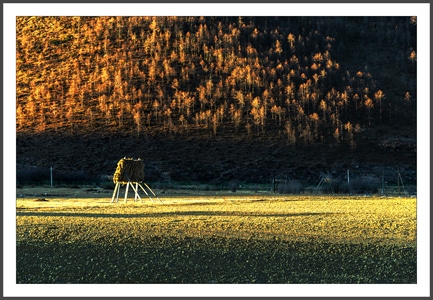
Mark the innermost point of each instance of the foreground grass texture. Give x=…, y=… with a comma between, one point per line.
x=217, y=240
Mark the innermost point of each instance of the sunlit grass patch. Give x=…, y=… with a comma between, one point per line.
x=218, y=239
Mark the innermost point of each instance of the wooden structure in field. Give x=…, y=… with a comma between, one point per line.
x=130, y=172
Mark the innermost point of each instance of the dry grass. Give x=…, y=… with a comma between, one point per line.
x=353, y=233
x=357, y=220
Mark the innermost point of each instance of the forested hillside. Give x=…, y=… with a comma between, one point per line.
x=298, y=82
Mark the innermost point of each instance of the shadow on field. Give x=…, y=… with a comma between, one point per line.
x=165, y=214
x=191, y=260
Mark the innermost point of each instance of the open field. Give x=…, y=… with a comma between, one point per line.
x=217, y=239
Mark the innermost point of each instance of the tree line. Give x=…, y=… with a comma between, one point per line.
x=246, y=76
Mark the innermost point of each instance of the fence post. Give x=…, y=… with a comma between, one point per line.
x=398, y=183
x=383, y=181
x=51, y=175
x=273, y=187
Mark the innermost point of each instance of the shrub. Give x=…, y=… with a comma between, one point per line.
x=344, y=188
x=72, y=177
x=292, y=187
x=233, y=185
x=33, y=175
x=40, y=176
x=360, y=185
x=330, y=186
x=364, y=185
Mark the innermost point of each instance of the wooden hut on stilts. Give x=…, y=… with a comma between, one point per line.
x=130, y=172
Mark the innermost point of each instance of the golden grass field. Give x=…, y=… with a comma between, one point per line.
x=217, y=239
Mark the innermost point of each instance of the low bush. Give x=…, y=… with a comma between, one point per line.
x=364, y=185
x=40, y=176
x=33, y=175
x=291, y=187
x=358, y=185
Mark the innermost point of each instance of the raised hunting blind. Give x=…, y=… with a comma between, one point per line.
x=130, y=172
